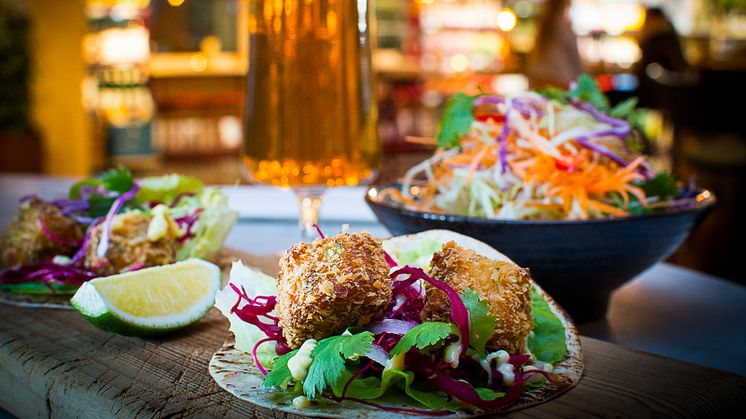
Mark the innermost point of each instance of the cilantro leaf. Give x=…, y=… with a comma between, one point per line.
x=662, y=185
x=481, y=323
x=280, y=374
x=424, y=335
x=554, y=93
x=117, y=180
x=329, y=360
x=624, y=108
x=548, y=340
x=456, y=120
x=587, y=90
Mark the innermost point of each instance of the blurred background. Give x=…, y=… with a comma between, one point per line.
x=158, y=85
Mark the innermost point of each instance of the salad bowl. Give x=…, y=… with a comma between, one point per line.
x=579, y=262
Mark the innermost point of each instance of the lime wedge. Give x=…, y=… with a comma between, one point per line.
x=152, y=300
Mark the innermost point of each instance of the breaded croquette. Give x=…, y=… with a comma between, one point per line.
x=129, y=246
x=504, y=285
x=25, y=240
x=331, y=284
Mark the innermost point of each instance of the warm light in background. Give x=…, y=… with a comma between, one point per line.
x=176, y=3
x=614, y=18
x=506, y=20
x=123, y=46
x=459, y=62
x=198, y=62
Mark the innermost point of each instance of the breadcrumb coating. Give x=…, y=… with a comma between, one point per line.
x=331, y=284
x=129, y=246
x=24, y=241
x=504, y=285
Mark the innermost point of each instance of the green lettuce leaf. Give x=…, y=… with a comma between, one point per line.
x=166, y=188
x=547, y=342
x=481, y=323
x=213, y=226
x=247, y=335
x=421, y=254
x=372, y=388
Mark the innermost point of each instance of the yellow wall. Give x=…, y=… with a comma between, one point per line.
x=57, y=29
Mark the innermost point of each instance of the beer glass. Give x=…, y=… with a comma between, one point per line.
x=311, y=113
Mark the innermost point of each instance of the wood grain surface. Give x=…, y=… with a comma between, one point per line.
x=54, y=364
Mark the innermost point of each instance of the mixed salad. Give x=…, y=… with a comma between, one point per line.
x=399, y=363
x=109, y=224
x=545, y=154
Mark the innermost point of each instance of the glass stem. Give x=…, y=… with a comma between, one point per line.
x=310, y=202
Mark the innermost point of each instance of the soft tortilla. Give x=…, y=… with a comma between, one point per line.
x=234, y=371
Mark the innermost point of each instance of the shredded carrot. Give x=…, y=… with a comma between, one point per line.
x=567, y=177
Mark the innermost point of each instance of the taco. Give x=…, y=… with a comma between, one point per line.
x=105, y=225
x=434, y=323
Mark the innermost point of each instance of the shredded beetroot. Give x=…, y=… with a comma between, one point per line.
x=55, y=238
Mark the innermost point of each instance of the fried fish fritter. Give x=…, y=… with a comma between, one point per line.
x=330, y=284
x=25, y=241
x=504, y=285
x=129, y=246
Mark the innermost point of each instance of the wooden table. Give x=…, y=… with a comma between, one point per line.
x=53, y=363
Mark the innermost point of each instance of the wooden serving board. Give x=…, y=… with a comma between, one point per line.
x=54, y=363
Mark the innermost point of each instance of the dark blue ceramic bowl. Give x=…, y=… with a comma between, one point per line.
x=578, y=263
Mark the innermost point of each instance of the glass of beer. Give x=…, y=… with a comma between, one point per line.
x=311, y=112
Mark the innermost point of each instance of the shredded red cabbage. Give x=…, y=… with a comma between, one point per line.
x=459, y=388
x=256, y=308
x=187, y=224
x=407, y=303
x=393, y=326
x=355, y=375
x=519, y=359
x=392, y=263
x=80, y=254
x=179, y=197
x=256, y=359
x=103, y=245
x=502, y=141
x=48, y=273
x=378, y=354
x=459, y=313
x=136, y=267
x=318, y=230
